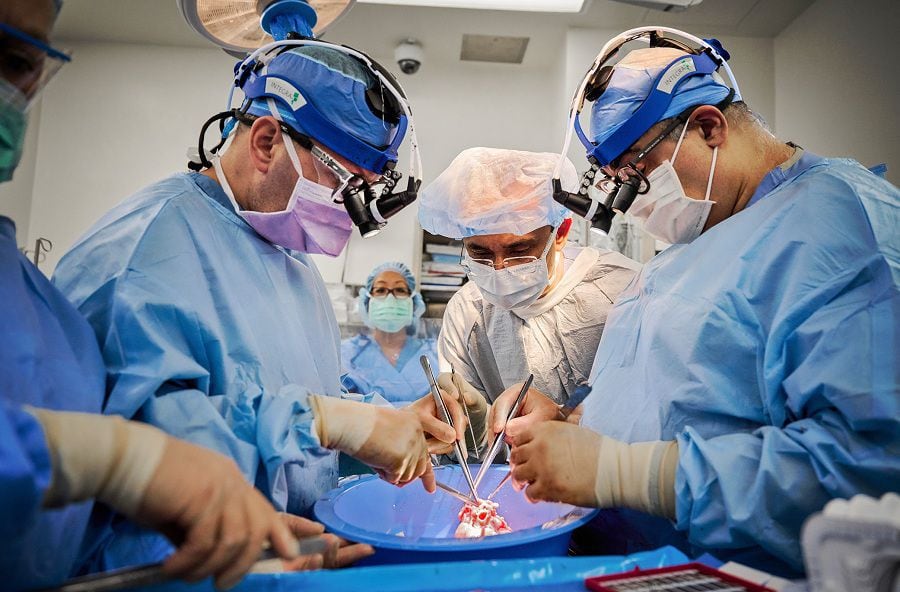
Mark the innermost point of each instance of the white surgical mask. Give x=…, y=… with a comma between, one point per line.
x=512, y=287
x=668, y=213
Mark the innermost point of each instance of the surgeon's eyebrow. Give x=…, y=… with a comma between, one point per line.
x=521, y=244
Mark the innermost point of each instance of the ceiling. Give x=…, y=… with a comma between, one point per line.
x=378, y=28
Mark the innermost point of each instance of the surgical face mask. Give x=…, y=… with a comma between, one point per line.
x=668, y=213
x=311, y=222
x=390, y=314
x=515, y=286
x=13, y=124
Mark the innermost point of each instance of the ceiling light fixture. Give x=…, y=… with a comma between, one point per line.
x=518, y=5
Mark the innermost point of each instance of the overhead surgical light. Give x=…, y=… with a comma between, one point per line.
x=266, y=28
x=241, y=26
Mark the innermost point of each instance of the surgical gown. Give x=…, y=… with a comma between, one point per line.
x=48, y=358
x=212, y=334
x=768, y=348
x=554, y=338
x=366, y=370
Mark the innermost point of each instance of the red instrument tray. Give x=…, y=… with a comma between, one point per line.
x=679, y=578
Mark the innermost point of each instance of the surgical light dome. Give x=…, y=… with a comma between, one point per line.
x=240, y=26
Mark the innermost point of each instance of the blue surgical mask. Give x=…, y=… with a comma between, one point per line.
x=390, y=314
x=13, y=124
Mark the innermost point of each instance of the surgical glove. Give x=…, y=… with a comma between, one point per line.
x=561, y=462
x=388, y=440
x=441, y=437
x=536, y=408
x=196, y=497
x=476, y=408
x=337, y=552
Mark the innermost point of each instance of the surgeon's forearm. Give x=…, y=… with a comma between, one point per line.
x=97, y=456
x=640, y=476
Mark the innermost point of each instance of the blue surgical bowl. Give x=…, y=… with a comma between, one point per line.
x=409, y=525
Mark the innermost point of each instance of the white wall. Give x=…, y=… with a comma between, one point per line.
x=837, y=84
x=122, y=116
x=116, y=119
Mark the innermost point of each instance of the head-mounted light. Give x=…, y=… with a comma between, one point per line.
x=621, y=189
x=367, y=207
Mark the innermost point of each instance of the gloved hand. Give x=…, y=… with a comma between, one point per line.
x=560, y=462
x=196, y=497
x=388, y=440
x=442, y=436
x=476, y=406
x=337, y=552
x=537, y=407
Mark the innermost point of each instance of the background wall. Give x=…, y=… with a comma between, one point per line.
x=837, y=84
x=122, y=115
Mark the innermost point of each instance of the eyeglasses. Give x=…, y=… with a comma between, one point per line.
x=380, y=292
x=28, y=63
x=487, y=265
x=467, y=261
x=331, y=173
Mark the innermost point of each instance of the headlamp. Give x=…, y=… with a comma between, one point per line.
x=622, y=188
x=368, y=207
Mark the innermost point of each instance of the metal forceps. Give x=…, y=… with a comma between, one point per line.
x=498, y=442
x=436, y=393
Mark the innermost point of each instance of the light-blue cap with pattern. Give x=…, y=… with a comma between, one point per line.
x=631, y=82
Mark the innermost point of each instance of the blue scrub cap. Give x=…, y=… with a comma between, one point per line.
x=495, y=191
x=335, y=84
x=406, y=272
x=631, y=82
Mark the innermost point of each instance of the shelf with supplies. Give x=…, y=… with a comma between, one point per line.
x=441, y=274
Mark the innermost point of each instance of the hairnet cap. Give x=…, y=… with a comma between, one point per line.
x=631, y=82
x=406, y=272
x=495, y=191
x=335, y=84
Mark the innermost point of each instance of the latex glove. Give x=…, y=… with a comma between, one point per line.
x=441, y=436
x=476, y=406
x=390, y=441
x=537, y=407
x=196, y=497
x=560, y=462
x=338, y=553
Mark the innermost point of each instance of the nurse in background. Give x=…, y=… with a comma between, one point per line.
x=387, y=361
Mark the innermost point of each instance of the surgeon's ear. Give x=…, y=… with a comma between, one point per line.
x=265, y=137
x=712, y=123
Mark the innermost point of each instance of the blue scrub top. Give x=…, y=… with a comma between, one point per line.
x=48, y=358
x=212, y=334
x=367, y=370
x=768, y=348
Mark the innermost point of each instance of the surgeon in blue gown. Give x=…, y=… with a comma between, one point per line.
x=57, y=453
x=751, y=372
x=213, y=320
x=387, y=361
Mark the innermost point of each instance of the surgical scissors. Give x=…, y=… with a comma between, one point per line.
x=439, y=402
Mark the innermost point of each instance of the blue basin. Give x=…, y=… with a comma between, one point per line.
x=409, y=525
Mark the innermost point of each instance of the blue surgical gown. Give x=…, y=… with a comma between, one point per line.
x=768, y=348
x=48, y=358
x=212, y=334
x=368, y=371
